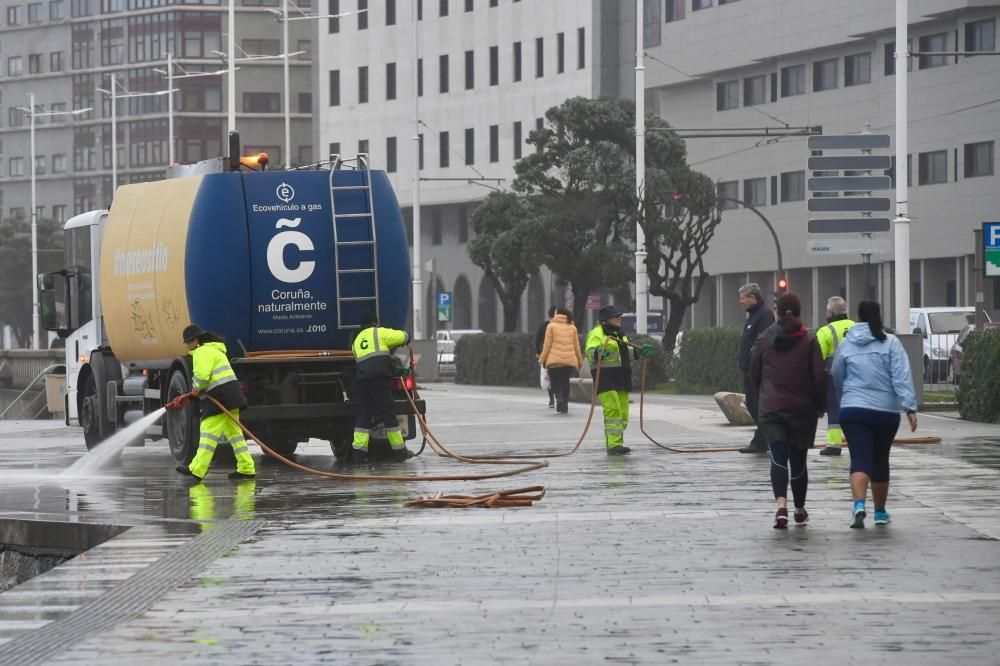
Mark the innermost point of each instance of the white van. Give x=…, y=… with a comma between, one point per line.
x=446, y=347
x=940, y=328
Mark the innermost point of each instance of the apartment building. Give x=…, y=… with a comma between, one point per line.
x=65, y=52
x=724, y=64
x=486, y=72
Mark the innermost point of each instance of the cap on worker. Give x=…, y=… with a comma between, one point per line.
x=191, y=332
x=608, y=312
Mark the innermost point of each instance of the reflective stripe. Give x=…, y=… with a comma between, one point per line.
x=214, y=438
x=241, y=449
x=361, y=431
x=220, y=382
x=206, y=447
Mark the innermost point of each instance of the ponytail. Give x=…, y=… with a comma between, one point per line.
x=870, y=312
x=789, y=312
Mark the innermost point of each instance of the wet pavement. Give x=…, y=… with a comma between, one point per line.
x=652, y=558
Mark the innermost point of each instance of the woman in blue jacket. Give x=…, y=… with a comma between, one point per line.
x=871, y=373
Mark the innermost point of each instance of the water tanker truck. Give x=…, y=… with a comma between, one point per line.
x=282, y=264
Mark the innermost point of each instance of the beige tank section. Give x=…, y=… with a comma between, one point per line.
x=143, y=291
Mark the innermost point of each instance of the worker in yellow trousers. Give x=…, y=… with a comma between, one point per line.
x=829, y=338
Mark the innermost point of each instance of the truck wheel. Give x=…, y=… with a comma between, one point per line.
x=182, y=424
x=93, y=414
x=283, y=447
x=341, y=446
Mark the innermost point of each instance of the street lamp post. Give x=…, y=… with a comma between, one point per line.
x=641, y=323
x=114, y=97
x=171, y=77
x=418, y=284
x=32, y=113
x=283, y=18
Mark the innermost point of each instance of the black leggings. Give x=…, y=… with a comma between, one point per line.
x=783, y=458
x=559, y=379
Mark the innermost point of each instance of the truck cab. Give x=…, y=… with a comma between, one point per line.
x=70, y=305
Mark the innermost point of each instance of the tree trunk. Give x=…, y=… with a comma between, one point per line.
x=511, y=312
x=579, y=305
x=678, y=307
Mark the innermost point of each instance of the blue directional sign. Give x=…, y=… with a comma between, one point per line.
x=991, y=249
x=444, y=306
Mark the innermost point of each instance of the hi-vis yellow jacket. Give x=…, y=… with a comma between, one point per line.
x=373, y=351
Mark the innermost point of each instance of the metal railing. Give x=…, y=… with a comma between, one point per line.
x=40, y=396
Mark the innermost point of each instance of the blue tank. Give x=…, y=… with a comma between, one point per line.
x=272, y=261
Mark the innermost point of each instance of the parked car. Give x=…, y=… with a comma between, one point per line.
x=446, y=347
x=940, y=328
x=955, y=357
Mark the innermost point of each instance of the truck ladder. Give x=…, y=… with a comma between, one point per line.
x=365, y=217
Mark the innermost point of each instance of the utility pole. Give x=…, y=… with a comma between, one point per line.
x=901, y=223
x=231, y=62
x=641, y=323
x=284, y=62
x=418, y=284
x=35, y=336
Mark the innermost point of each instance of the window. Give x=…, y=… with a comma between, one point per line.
x=755, y=191
x=470, y=70
x=304, y=45
x=517, y=61
x=793, y=80
x=470, y=146
x=700, y=4
x=938, y=42
x=444, y=149
x=334, y=25
x=494, y=3
x=980, y=35
x=979, y=159
x=17, y=212
x=774, y=86
x=15, y=66
x=539, y=57
x=518, y=140
x=889, y=55
x=390, y=80
x=727, y=95
x=675, y=10
x=494, y=143
x=932, y=167
x=420, y=10
x=581, y=48
x=334, y=87
x=390, y=154
x=271, y=47
x=463, y=227
x=59, y=163
x=363, y=84
x=59, y=212
x=14, y=15
x=442, y=7
x=754, y=90
x=443, y=73
x=35, y=63
x=420, y=77
x=390, y=12
x=363, y=146
x=469, y=5
x=437, y=232
x=261, y=102
x=560, y=53
x=857, y=69
x=362, y=15
x=15, y=116
x=728, y=192
x=494, y=65
x=793, y=186
x=305, y=102
x=56, y=11
x=56, y=61
x=335, y=148
x=39, y=165
x=34, y=12
x=16, y=167
x=825, y=75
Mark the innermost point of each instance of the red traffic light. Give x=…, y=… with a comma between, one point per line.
x=782, y=284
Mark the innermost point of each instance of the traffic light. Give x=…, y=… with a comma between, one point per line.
x=782, y=285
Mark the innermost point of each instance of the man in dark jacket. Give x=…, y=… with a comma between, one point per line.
x=759, y=317
x=540, y=342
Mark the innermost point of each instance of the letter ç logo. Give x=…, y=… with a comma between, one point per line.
x=285, y=192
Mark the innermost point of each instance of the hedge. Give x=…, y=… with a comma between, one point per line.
x=709, y=360
x=508, y=359
x=979, y=381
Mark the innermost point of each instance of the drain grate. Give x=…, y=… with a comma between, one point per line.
x=134, y=596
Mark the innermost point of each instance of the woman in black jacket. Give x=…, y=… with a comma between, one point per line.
x=787, y=374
